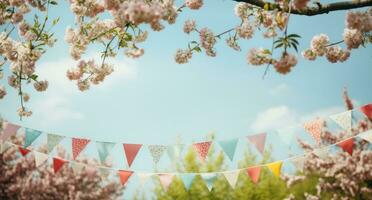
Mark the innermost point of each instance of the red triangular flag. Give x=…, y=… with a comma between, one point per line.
x=131, y=151
x=58, y=163
x=347, y=145
x=78, y=145
x=254, y=173
x=258, y=140
x=367, y=110
x=23, y=151
x=202, y=149
x=124, y=176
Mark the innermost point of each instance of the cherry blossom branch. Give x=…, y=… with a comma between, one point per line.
x=311, y=11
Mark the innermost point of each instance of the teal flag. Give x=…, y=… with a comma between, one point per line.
x=187, y=179
x=52, y=141
x=104, y=149
x=31, y=136
x=209, y=179
x=229, y=146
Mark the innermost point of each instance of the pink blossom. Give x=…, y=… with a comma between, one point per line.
x=41, y=86
x=300, y=4
x=285, y=64
x=319, y=43
x=353, y=38
x=258, y=56
x=309, y=54
x=134, y=53
x=189, y=26
x=241, y=10
x=245, y=30
x=2, y=92
x=207, y=41
x=194, y=4
x=183, y=56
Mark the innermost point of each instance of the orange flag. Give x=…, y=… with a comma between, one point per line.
x=347, y=145
x=131, y=151
x=202, y=149
x=254, y=173
x=124, y=176
x=78, y=145
x=58, y=163
x=367, y=110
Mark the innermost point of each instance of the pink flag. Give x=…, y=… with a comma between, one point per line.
x=367, y=110
x=124, y=176
x=58, y=163
x=258, y=140
x=202, y=149
x=9, y=130
x=166, y=180
x=347, y=145
x=254, y=173
x=23, y=151
x=315, y=129
x=78, y=145
x=131, y=151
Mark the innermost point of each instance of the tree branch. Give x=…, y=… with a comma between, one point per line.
x=311, y=11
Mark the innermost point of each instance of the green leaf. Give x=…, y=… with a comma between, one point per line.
x=197, y=49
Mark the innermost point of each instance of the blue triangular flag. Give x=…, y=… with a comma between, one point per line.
x=31, y=136
x=104, y=149
x=187, y=179
x=209, y=179
x=229, y=147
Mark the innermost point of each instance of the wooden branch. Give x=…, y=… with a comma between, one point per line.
x=311, y=11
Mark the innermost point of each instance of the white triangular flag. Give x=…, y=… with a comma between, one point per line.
x=232, y=177
x=366, y=136
x=77, y=167
x=322, y=153
x=5, y=146
x=156, y=152
x=298, y=162
x=343, y=120
x=40, y=158
x=143, y=178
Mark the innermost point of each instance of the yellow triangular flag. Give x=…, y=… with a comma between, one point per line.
x=275, y=167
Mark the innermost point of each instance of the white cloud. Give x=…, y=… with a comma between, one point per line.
x=279, y=89
x=274, y=118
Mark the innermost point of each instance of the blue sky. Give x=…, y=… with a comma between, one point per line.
x=154, y=100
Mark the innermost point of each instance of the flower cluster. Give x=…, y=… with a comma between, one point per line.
x=183, y=56
x=2, y=92
x=207, y=41
x=194, y=4
x=259, y=56
x=300, y=4
x=285, y=64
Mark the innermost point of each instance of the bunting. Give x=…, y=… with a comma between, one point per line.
x=229, y=147
x=175, y=151
x=77, y=167
x=23, y=151
x=322, y=153
x=9, y=130
x=143, y=178
x=156, y=152
x=40, y=158
x=131, y=151
x=258, y=141
x=254, y=173
x=232, y=177
x=343, y=120
x=58, y=164
x=315, y=128
x=275, y=167
x=124, y=176
x=187, y=179
x=298, y=162
x=209, y=179
x=367, y=110
x=104, y=148
x=30, y=136
x=78, y=144
x=202, y=148
x=52, y=141
x=5, y=146
x=347, y=146
x=165, y=180
x=367, y=136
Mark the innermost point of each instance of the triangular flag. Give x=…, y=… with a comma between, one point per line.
x=202, y=149
x=347, y=145
x=124, y=176
x=343, y=120
x=174, y=151
x=58, y=163
x=258, y=141
x=275, y=167
x=367, y=110
x=165, y=180
x=104, y=148
x=78, y=144
x=143, y=178
x=229, y=147
x=322, y=153
x=254, y=173
x=9, y=130
x=209, y=179
x=366, y=136
x=298, y=162
x=156, y=152
x=40, y=158
x=232, y=177
x=314, y=128
x=104, y=171
x=5, y=146
x=31, y=136
x=52, y=141
x=187, y=179
x=23, y=151
x=77, y=167
x=131, y=151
